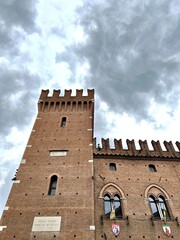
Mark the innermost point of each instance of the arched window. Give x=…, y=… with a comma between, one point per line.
x=163, y=207
x=159, y=208
x=154, y=207
x=63, y=122
x=52, y=186
x=112, y=207
x=107, y=205
x=112, y=166
x=117, y=206
x=152, y=168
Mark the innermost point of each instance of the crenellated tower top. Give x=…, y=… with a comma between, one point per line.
x=58, y=102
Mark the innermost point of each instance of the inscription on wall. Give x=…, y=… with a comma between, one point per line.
x=46, y=224
x=56, y=153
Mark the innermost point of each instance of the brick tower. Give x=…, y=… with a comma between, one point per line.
x=68, y=188
x=53, y=193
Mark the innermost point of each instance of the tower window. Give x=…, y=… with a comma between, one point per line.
x=112, y=166
x=112, y=207
x=53, y=184
x=63, y=122
x=159, y=208
x=152, y=168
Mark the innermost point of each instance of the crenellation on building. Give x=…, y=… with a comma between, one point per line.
x=72, y=188
x=44, y=94
x=67, y=95
x=56, y=93
x=56, y=102
x=144, y=149
x=132, y=150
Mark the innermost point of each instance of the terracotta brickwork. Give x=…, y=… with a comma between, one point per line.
x=133, y=181
x=74, y=197
x=61, y=144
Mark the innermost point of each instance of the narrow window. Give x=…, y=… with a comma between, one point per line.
x=154, y=207
x=112, y=166
x=152, y=168
x=107, y=205
x=63, y=122
x=163, y=208
x=53, y=184
x=117, y=206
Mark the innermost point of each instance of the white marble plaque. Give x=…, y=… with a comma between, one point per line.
x=57, y=153
x=46, y=224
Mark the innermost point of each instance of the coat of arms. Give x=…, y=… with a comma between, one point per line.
x=116, y=229
x=166, y=229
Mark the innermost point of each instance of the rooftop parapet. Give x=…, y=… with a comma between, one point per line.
x=131, y=150
x=67, y=95
x=58, y=102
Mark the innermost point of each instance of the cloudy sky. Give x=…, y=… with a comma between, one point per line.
x=127, y=50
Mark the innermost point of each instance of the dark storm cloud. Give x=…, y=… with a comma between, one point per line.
x=17, y=85
x=17, y=97
x=133, y=51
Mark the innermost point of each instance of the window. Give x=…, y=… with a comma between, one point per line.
x=154, y=207
x=163, y=207
x=152, y=168
x=159, y=208
x=107, y=205
x=112, y=166
x=53, y=184
x=117, y=206
x=63, y=122
x=112, y=207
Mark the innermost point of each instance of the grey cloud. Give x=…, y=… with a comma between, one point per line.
x=17, y=97
x=17, y=85
x=17, y=18
x=132, y=48
x=18, y=13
